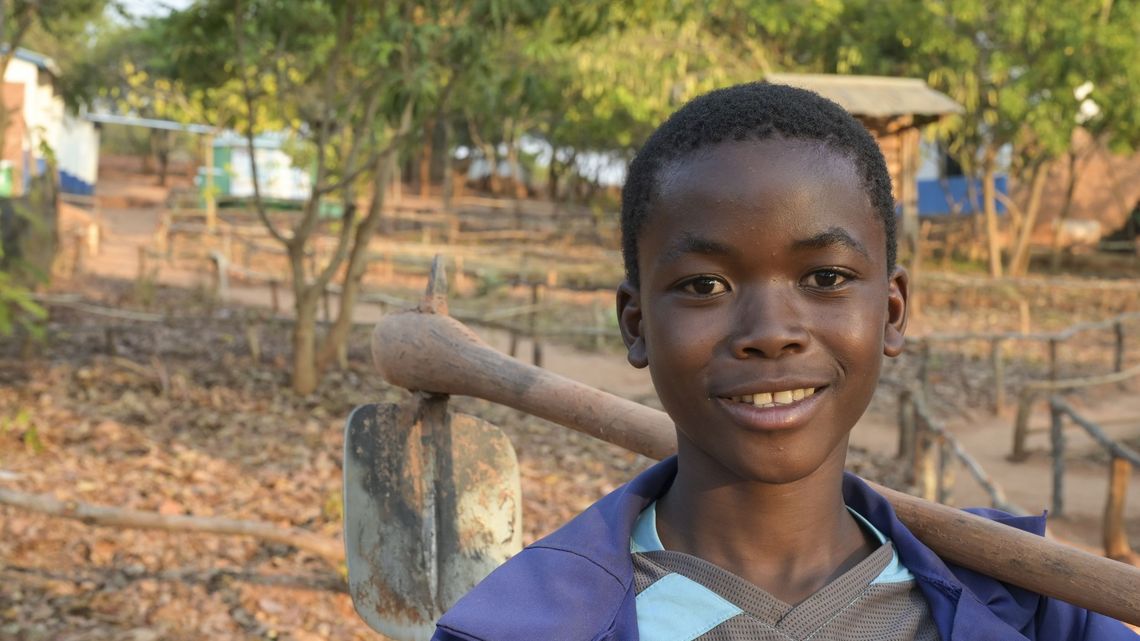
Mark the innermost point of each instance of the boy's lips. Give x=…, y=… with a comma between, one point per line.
x=783, y=409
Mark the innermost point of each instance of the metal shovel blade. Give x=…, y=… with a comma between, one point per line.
x=432, y=505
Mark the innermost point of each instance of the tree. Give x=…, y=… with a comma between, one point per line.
x=349, y=83
x=1013, y=65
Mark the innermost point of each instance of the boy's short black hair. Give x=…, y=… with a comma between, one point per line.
x=753, y=111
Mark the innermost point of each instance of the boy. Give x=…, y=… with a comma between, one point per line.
x=761, y=292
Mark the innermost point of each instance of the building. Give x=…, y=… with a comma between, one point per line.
x=895, y=110
x=39, y=126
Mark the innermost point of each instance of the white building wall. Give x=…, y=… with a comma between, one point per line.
x=73, y=140
x=78, y=154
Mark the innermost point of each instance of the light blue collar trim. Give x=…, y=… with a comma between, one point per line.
x=895, y=572
x=645, y=539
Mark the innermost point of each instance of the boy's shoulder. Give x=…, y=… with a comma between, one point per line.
x=576, y=583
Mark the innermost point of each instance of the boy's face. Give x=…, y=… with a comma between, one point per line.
x=764, y=279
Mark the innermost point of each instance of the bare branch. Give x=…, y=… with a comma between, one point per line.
x=308, y=220
x=330, y=550
x=346, y=228
x=247, y=90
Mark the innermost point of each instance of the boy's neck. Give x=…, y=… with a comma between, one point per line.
x=789, y=539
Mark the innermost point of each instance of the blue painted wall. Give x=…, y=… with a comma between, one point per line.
x=939, y=197
x=70, y=184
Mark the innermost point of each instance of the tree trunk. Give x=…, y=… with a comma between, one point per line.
x=162, y=153
x=305, y=341
x=1019, y=261
x=989, y=204
x=425, y=158
x=1055, y=248
x=494, y=184
x=357, y=262
x=305, y=303
x=448, y=165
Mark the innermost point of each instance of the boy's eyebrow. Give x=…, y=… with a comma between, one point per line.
x=690, y=243
x=831, y=237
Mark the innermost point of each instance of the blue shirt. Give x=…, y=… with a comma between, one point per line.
x=577, y=583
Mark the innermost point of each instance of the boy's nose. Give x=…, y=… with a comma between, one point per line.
x=769, y=325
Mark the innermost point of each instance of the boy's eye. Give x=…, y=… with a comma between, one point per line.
x=826, y=279
x=705, y=286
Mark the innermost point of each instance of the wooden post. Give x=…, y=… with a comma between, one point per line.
x=253, y=336
x=513, y=350
x=93, y=237
x=1118, y=351
x=460, y=278
x=1057, y=436
x=906, y=426
x=923, y=368
x=221, y=271
x=998, y=362
x=1115, y=539
x=228, y=244
x=142, y=264
x=208, y=195
x=452, y=227
x=925, y=472
x=532, y=322
x=599, y=327
x=342, y=355
x=1052, y=359
x=945, y=471
x=76, y=254
x=1021, y=425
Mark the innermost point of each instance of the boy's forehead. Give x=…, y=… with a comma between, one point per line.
x=728, y=167
x=804, y=188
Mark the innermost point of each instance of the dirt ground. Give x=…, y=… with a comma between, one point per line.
x=178, y=418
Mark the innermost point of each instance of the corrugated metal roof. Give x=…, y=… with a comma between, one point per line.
x=873, y=96
x=37, y=59
x=150, y=123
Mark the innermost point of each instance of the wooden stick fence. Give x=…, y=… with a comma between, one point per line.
x=998, y=341
x=529, y=329
x=1034, y=389
x=1121, y=460
x=933, y=450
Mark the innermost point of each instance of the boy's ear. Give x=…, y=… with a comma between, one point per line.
x=894, y=333
x=629, y=321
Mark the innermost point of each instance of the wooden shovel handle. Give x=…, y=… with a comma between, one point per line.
x=436, y=353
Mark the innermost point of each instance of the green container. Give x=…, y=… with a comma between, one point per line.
x=5, y=179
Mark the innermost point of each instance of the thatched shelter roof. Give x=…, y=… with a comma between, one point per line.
x=875, y=96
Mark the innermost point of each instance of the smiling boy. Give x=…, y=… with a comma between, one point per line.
x=762, y=293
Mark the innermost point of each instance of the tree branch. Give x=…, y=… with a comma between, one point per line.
x=330, y=550
x=247, y=90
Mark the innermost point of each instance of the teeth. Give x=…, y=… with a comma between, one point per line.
x=772, y=399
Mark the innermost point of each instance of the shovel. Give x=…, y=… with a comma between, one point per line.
x=431, y=504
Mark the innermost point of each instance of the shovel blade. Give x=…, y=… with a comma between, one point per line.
x=429, y=511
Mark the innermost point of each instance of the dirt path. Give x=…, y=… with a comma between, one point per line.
x=987, y=438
